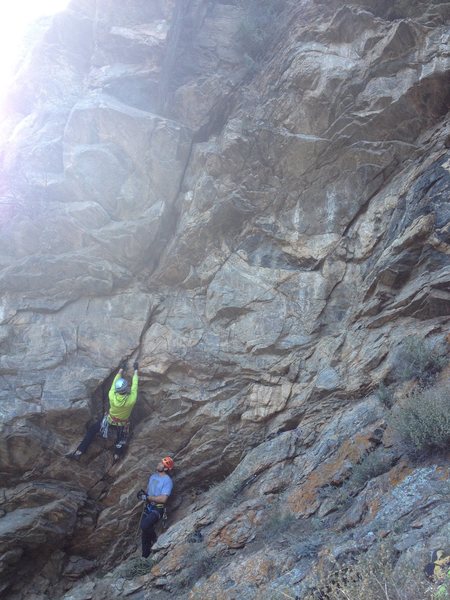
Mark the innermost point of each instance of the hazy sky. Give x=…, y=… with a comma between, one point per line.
x=15, y=15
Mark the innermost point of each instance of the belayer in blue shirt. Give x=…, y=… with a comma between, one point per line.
x=158, y=491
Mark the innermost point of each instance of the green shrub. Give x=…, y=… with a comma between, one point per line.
x=257, y=28
x=373, y=464
x=385, y=395
x=419, y=359
x=339, y=496
x=423, y=419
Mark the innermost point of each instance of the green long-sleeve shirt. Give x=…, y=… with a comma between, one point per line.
x=121, y=405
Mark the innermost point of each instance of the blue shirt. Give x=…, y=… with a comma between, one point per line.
x=159, y=485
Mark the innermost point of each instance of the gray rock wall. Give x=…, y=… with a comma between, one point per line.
x=261, y=229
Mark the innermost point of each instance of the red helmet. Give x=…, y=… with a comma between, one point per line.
x=168, y=463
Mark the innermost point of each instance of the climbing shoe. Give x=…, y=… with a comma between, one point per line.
x=75, y=455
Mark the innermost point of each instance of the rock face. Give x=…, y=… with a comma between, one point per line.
x=261, y=217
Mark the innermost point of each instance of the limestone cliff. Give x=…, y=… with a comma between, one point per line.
x=253, y=199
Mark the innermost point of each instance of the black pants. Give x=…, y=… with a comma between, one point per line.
x=94, y=429
x=148, y=522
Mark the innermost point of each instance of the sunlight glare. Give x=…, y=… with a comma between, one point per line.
x=15, y=17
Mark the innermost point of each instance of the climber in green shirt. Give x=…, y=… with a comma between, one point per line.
x=122, y=399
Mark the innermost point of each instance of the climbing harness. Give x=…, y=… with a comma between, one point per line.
x=123, y=430
x=151, y=507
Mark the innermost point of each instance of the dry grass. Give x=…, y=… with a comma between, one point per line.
x=276, y=523
x=202, y=563
x=224, y=494
x=371, y=577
